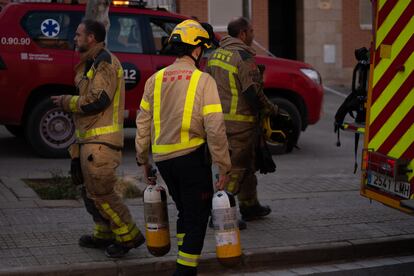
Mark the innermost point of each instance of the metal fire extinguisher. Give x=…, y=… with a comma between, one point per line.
x=156, y=219
x=226, y=229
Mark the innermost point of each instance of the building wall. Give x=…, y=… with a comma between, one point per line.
x=353, y=36
x=322, y=30
x=197, y=8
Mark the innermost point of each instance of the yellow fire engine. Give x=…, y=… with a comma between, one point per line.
x=388, y=155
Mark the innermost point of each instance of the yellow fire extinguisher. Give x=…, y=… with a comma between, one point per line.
x=226, y=229
x=156, y=219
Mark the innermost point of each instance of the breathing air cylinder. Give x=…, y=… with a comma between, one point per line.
x=226, y=229
x=157, y=230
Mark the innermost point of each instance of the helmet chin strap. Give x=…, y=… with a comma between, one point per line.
x=198, y=59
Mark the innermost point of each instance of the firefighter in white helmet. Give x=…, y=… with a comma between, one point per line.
x=181, y=120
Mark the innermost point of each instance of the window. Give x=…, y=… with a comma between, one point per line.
x=161, y=30
x=221, y=12
x=365, y=14
x=52, y=29
x=124, y=34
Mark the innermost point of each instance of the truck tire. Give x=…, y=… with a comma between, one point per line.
x=49, y=130
x=294, y=113
x=17, y=131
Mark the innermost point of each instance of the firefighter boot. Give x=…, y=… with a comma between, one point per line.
x=118, y=250
x=90, y=241
x=254, y=212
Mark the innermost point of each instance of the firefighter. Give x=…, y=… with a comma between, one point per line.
x=98, y=116
x=239, y=84
x=181, y=118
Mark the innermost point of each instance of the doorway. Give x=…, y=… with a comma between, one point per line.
x=282, y=28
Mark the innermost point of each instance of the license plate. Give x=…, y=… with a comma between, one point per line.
x=388, y=184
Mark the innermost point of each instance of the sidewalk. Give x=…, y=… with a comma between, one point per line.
x=314, y=219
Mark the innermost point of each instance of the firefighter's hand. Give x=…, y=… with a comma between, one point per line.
x=222, y=181
x=149, y=174
x=57, y=100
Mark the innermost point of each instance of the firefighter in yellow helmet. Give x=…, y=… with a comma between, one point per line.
x=98, y=116
x=181, y=120
x=239, y=84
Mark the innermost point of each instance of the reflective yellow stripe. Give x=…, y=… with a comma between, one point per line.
x=180, y=238
x=103, y=235
x=144, y=105
x=102, y=228
x=391, y=89
x=114, y=216
x=128, y=237
x=90, y=73
x=187, y=259
x=381, y=3
x=189, y=105
x=397, y=116
x=240, y=118
x=212, y=108
x=115, y=127
x=122, y=230
x=405, y=141
x=99, y=131
x=157, y=103
x=223, y=65
x=234, y=94
x=176, y=147
x=396, y=48
x=73, y=104
x=185, y=142
x=389, y=22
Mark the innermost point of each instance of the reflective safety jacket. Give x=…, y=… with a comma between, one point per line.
x=98, y=110
x=180, y=111
x=239, y=83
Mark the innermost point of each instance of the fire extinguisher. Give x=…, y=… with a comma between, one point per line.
x=226, y=229
x=156, y=218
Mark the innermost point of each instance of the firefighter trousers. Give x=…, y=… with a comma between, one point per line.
x=189, y=182
x=243, y=181
x=111, y=216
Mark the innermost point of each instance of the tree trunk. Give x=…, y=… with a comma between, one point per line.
x=98, y=10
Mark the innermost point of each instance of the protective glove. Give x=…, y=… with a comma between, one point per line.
x=76, y=171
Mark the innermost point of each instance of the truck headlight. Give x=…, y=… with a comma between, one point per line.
x=312, y=74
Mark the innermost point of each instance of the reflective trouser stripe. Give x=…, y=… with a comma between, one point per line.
x=114, y=216
x=129, y=237
x=187, y=259
x=180, y=238
x=102, y=232
x=185, y=141
x=116, y=126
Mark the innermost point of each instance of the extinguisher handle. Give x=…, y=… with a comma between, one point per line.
x=152, y=176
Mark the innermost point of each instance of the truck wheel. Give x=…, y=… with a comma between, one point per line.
x=49, y=130
x=17, y=131
x=294, y=113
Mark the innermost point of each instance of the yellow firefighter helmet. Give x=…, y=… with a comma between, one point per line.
x=190, y=32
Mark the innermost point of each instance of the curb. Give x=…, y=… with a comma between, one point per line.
x=252, y=258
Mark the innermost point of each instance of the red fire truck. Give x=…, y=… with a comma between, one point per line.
x=388, y=155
